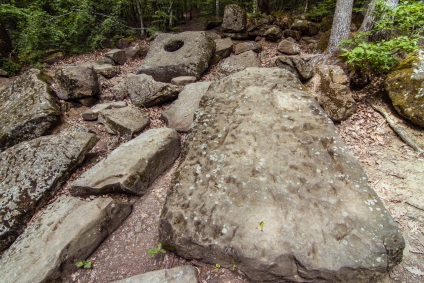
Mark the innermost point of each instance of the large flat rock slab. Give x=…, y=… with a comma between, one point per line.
x=180, y=114
x=67, y=231
x=179, y=274
x=31, y=172
x=266, y=184
x=27, y=109
x=133, y=166
x=174, y=55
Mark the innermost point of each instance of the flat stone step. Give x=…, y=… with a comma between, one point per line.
x=31, y=173
x=66, y=232
x=133, y=166
x=180, y=274
x=266, y=184
x=180, y=114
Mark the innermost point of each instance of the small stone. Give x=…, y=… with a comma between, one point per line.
x=93, y=113
x=183, y=80
x=247, y=46
x=288, y=47
x=126, y=122
x=273, y=34
x=105, y=61
x=118, y=56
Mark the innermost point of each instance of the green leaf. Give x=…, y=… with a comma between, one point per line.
x=87, y=265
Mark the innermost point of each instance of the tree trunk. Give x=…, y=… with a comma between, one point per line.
x=341, y=24
x=140, y=18
x=217, y=8
x=255, y=6
x=368, y=22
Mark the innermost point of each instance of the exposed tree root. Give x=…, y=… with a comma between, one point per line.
x=401, y=133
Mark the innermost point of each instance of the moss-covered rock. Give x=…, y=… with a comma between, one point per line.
x=28, y=109
x=405, y=86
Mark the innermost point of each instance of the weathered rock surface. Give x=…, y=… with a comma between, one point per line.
x=143, y=90
x=27, y=109
x=137, y=51
x=67, y=231
x=125, y=122
x=174, y=55
x=105, y=61
x=118, y=56
x=288, y=47
x=265, y=182
x=305, y=27
x=295, y=34
x=179, y=274
x=77, y=82
x=183, y=80
x=180, y=114
x=336, y=98
x=133, y=166
x=235, y=19
x=31, y=172
x=237, y=63
x=93, y=113
x=273, y=34
x=247, y=46
x=405, y=87
x=223, y=49
x=295, y=64
x=106, y=70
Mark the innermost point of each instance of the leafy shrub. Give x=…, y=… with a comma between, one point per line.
x=69, y=26
x=396, y=33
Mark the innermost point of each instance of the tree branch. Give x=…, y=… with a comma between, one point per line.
x=401, y=133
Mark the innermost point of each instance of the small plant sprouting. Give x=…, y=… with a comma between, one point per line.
x=217, y=267
x=84, y=264
x=153, y=252
x=261, y=225
x=233, y=267
x=142, y=105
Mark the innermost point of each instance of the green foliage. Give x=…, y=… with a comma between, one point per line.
x=84, y=264
x=398, y=32
x=154, y=251
x=321, y=10
x=9, y=66
x=69, y=26
x=261, y=225
x=217, y=267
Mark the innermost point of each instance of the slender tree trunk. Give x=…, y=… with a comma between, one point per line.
x=368, y=22
x=140, y=18
x=255, y=6
x=217, y=8
x=341, y=24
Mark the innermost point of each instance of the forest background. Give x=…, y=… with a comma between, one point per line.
x=30, y=30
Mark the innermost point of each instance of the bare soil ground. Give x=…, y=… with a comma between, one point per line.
x=393, y=168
